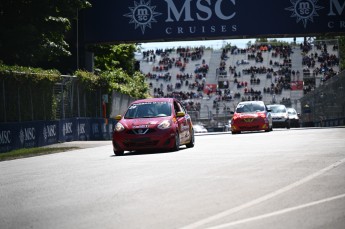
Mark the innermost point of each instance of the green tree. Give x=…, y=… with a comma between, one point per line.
x=33, y=32
x=111, y=57
x=261, y=40
x=115, y=65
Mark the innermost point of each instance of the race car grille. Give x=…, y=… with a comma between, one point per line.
x=136, y=143
x=277, y=118
x=141, y=131
x=248, y=120
x=249, y=127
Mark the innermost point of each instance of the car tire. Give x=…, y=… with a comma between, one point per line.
x=192, y=140
x=118, y=152
x=235, y=132
x=176, y=146
x=288, y=124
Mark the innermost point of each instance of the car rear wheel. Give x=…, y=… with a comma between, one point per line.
x=235, y=132
x=192, y=140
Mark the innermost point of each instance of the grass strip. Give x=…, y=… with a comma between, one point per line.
x=32, y=152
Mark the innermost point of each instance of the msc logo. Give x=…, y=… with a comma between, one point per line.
x=95, y=129
x=142, y=15
x=5, y=137
x=49, y=131
x=67, y=128
x=81, y=128
x=28, y=134
x=304, y=10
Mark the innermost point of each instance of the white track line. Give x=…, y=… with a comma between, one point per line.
x=280, y=212
x=263, y=198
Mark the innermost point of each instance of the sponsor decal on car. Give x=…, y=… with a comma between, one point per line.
x=140, y=126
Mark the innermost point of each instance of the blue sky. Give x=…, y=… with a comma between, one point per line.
x=215, y=44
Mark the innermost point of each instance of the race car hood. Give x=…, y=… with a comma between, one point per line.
x=248, y=115
x=142, y=122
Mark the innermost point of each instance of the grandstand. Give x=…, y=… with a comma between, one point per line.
x=212, y=82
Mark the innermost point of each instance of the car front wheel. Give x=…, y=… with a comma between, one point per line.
x=288, y=124
x=192, y=140
x=177, y=142
x=118, y=152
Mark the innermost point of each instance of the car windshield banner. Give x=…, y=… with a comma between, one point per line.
x=164, y=20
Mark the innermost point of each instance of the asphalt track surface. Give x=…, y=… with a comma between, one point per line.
x=281, y=179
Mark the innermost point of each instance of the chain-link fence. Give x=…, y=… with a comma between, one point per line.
x=68, y=98
x=73, y=100
x=325, y=106
x=25, y=101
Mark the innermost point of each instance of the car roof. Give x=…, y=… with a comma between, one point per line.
x=276, y=105
x=169, y=100
x=249, y=102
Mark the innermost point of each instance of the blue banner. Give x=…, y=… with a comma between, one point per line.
x=42, y=133
x=158, y=20
x=83, y=129
x=49, y=134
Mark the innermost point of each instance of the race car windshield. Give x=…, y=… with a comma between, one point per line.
x=250, y=108
x=292, y=111
x=278, y=109
x=148, y=110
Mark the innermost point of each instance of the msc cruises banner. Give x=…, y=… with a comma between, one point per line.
x=158, y=20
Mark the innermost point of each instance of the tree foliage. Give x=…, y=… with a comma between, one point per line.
x=118, y=80
x=115, y=65
x=27, y=93
x=261, y=40
x=33, y=32
x=112, y=57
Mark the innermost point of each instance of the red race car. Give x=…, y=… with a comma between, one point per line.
x=158, y=123
x=251, y=116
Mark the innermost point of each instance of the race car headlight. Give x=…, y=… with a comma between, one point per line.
x=164, y=125
x=119, y=127
x=234, y=118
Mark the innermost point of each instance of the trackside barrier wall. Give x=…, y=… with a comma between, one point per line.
x=119, y=103
x=41, y=133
